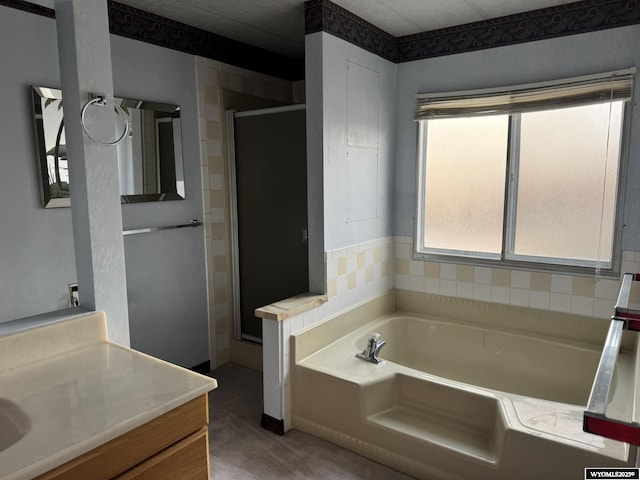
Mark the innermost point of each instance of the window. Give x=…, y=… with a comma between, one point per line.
x=529, y=175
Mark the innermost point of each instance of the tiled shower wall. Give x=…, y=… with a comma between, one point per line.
x=211, y=77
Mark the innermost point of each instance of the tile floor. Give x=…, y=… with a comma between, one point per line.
x=240, y=449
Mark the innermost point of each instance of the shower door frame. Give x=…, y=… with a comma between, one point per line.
x=231, y=115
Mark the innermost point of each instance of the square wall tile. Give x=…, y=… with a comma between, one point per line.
x=416, y=284
x=482, y=275
x=560, y=302
x=603, y=308
x=369, y=274
x=501, y=277
x=212, y=112
x=222, y=342
x=332, y=287
x=519, y=297
x=402, y=266
x=500, y=294
x=377, y=255
x=416, y=268
x=432, y=285
x=464, y=273
x=352, y=263
x=482, y=292
x=583, y=286
x=561, y=284
x=448, y=271
x=448, y=287
x=607, y=289
x=539, y=299
x=369, y=257
x=520, y=279
x=581, y=305
x=342, y=265
x=464, y=289
x=352, y=281
x=432, y=269
x=540, y=282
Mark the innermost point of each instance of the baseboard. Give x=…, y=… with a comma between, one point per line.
x=272, y=424
x=204, y=367
x=247, y=355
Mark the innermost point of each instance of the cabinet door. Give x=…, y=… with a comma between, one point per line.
x=125, y=452
x=186, y=460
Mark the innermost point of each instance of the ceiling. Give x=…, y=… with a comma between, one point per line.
x=278, y=25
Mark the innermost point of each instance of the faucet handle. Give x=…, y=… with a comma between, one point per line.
x=371, y=351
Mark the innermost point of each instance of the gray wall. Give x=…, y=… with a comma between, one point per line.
x=165, y=270
x=37, y=258
x=530, y=62
x=166, y=279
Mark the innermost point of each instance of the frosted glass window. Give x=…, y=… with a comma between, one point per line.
x=568, y=166
x=521, y=187
x=464, y=194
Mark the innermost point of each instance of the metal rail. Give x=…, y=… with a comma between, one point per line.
x=595, y=418
x=193, y=223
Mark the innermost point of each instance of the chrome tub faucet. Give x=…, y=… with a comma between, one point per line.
x=374, y=345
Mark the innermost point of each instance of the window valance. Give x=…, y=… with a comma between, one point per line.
x=606, y=87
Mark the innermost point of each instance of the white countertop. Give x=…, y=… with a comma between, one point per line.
x=79, y=390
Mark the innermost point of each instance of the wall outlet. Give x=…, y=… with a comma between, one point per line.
x=74, y=298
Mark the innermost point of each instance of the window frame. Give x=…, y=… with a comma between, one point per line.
x=506, y=258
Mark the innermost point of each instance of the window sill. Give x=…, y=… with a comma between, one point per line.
x=519, y=265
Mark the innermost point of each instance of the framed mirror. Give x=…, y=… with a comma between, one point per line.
x=150, y=163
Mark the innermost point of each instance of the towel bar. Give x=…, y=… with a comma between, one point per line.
x=193, y=223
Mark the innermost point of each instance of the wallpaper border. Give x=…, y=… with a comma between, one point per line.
x=570, y=19
x=139, y=25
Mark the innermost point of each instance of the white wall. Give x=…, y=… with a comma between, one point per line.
x=351, y=97
x=576, y=55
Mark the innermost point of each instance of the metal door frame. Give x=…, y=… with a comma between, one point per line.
x=231, y=115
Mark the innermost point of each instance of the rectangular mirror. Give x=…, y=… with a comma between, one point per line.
x=150, y=163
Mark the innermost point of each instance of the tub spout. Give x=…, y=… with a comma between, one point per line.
x=374, y=345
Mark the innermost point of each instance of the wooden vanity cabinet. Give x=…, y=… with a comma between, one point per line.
x=174, y=445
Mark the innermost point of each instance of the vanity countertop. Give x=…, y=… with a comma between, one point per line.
x=78, y=391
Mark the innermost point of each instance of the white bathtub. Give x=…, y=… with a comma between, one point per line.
x=454, y=400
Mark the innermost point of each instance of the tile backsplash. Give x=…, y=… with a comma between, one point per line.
x=359, y=272
x=590, y=296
